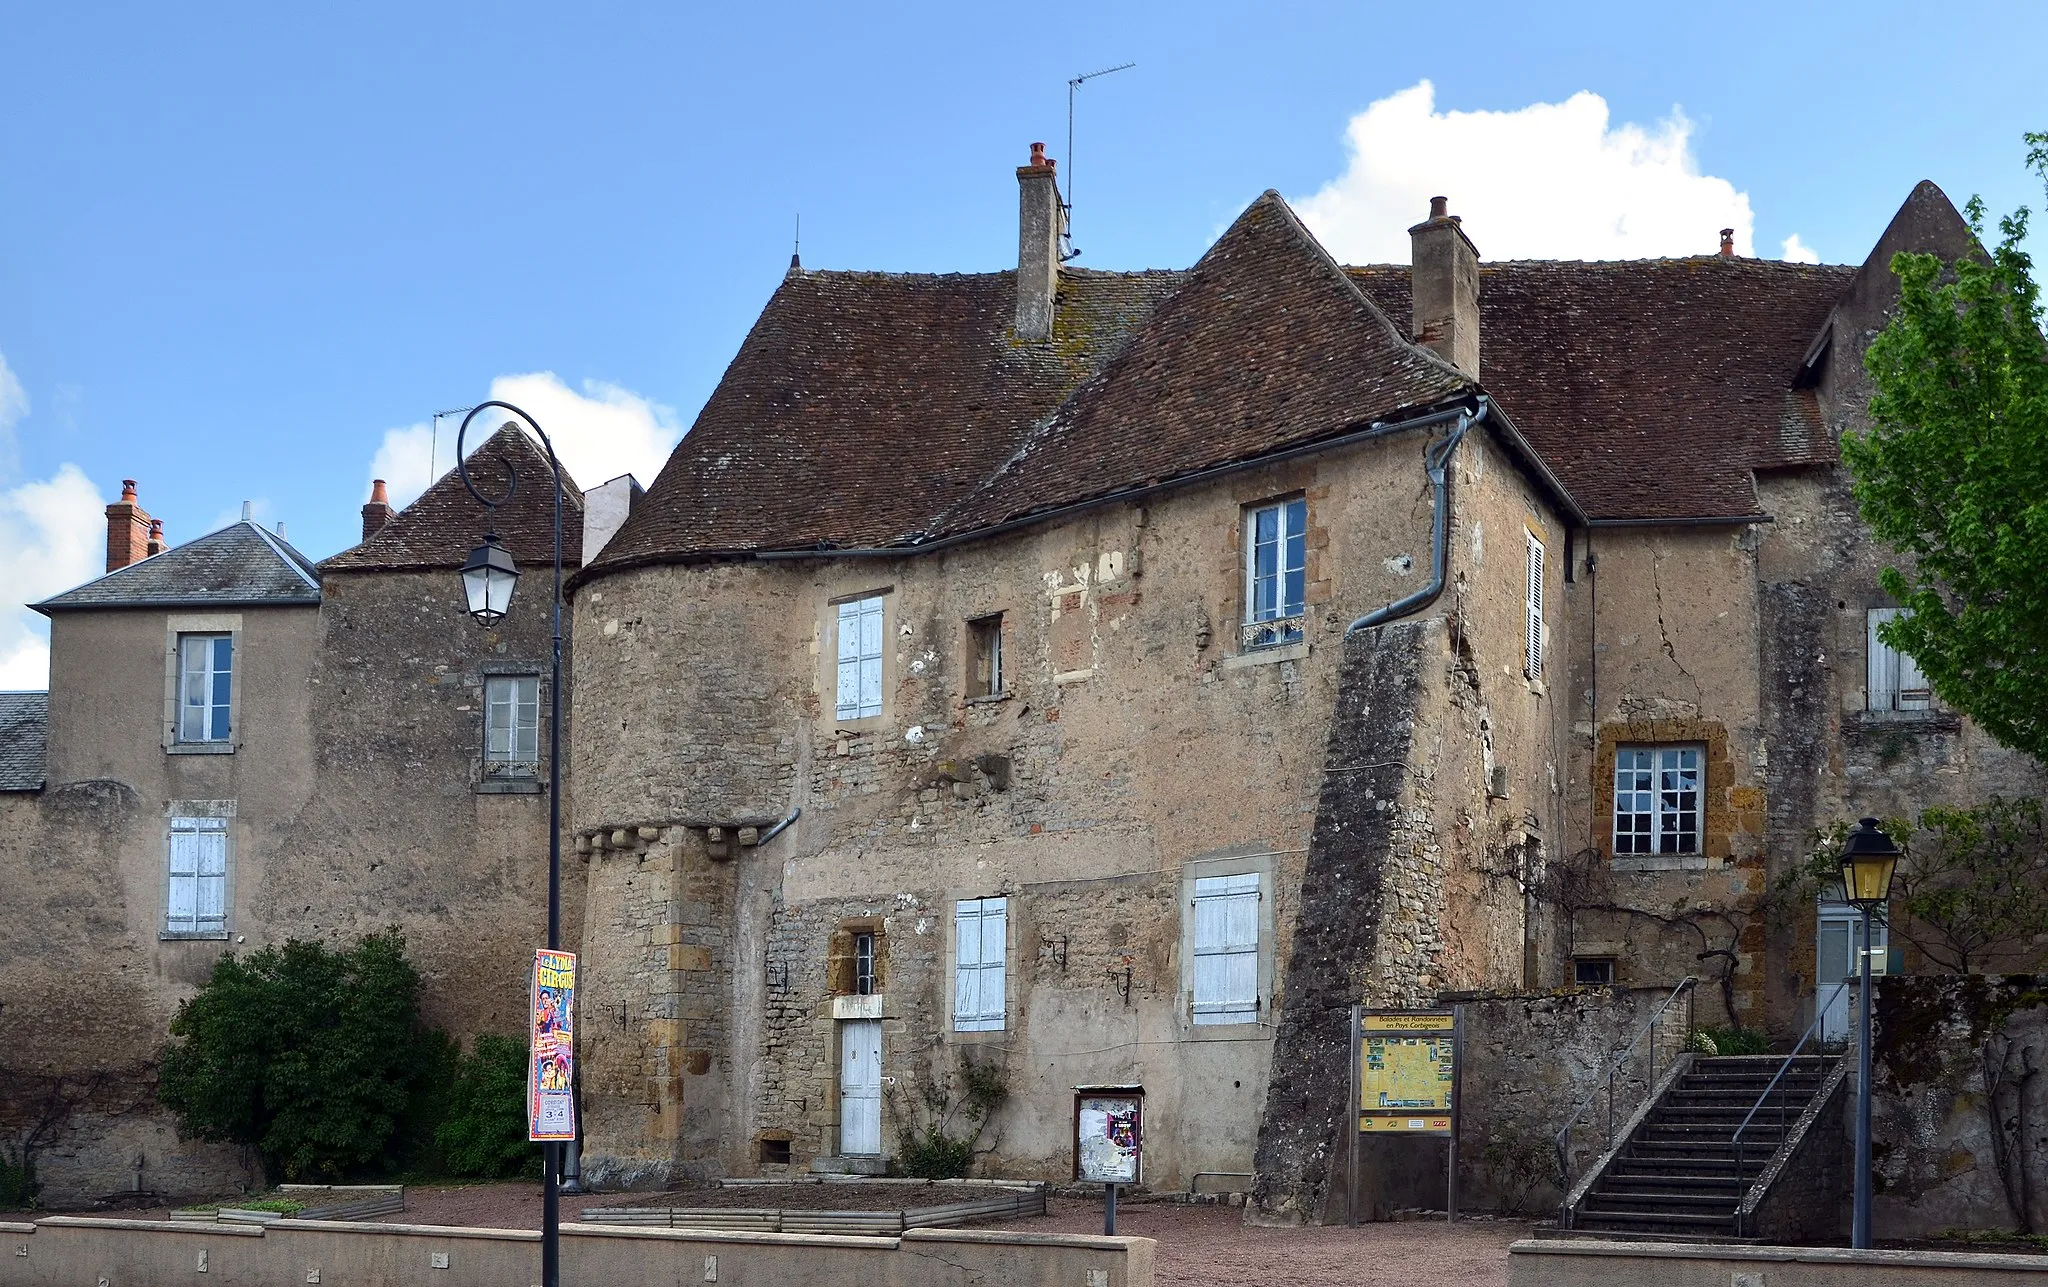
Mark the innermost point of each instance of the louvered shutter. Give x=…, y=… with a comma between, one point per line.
x=1226, y=910
x=1532, y=603
x=981, y=937
x=181, y=913
x=1881, y=663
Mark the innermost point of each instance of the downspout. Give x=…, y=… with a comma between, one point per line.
x=1436, y=460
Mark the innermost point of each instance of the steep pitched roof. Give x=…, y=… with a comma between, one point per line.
x=438, y=530
x=1265, y=344
x=862, y=405
x=1652, y=387
x=24, y=740
x=240, y=565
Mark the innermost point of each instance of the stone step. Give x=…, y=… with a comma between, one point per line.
x=1629, y=1200
x=1681, y=1181
x=1676, y=1222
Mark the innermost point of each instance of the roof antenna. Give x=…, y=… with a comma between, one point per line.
x=796, y=263
x=1067, y=235
x=434, y=440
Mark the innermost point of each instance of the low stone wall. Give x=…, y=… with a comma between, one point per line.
x=1943, y=1046
x=1573, y=1263
x=81, y=1249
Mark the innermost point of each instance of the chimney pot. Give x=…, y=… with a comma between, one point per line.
x=1039, y=160
x=129, y=530
x=1443, y=280
x=1727, y=243
x=378, y=512
x=127, y=491
x=1041, y=218
x=1439, y=207
x=377, y=493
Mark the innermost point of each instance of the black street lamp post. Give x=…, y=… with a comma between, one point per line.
x=1868, y=860
x=488, y=580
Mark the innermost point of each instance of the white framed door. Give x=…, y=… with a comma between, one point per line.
x=1837, y=939
x=860, y=1087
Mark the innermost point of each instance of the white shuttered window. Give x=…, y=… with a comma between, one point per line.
x=1532, y=609
x=198, y=876
x=1226, y=912
x=860, y=658
x=1895, y=681
x=980, y=938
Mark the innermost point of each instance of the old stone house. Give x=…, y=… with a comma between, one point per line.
x=1096, y=678
x=1109, y=677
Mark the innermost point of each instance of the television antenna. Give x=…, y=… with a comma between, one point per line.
x=1068, y=205
x=434, y=440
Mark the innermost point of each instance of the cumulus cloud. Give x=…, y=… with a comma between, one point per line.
x=599, y=433
x=1546, y=181
x=13, y=407
x=51, y=535
x=1795, y=251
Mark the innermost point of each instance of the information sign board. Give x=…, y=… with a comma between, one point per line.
x=1109, y=1135
x=551, y=1071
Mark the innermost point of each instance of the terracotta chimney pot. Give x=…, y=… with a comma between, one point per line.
x=1727, y=243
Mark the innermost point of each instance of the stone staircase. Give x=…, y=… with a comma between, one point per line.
x=1677, y=1174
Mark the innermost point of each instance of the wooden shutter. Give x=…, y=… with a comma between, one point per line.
x=1226, y=910
x=1532, y=608
x=1881, y=666
x=981, y=938
x=860, y=659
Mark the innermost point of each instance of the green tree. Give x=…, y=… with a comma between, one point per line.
x=312, y=1057
x=484, y=1132
x=1954, y=473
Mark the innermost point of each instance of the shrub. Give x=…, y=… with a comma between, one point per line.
x=926, y=1149
x=483, y=1133
x=313, y=1057
x=18, y=1187
x=1732, y=1041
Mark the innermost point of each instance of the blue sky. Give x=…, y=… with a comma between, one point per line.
x=245, y=252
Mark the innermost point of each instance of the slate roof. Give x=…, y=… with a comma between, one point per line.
x=1652, y=387
x=241, y=565
x=24, y=740
x=438, y=530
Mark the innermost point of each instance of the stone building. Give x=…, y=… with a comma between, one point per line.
x=243, y=746
x=1109, y=677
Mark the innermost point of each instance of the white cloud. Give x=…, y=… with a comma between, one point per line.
x=1795, y=251
x=1547, y=181
x=13, y=407
x=600, y=433
x=51, y=539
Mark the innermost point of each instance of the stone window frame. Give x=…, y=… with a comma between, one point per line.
x=829, y=657
x=1235, y=861
x=1248, y=513
x=839, y=956
x=224, y=810
x=176, y=627
x=1720, y=819
x=510, y=784
x=976, y=631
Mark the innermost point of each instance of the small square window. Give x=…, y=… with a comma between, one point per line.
x=864, y=964
x=985, y=657
x=1658, y=793
x=1275, y=574
x=1593, y=971
x=774, y=1152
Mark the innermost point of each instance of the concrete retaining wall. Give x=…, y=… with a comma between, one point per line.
x=125, y=1253
x=1629, y=1264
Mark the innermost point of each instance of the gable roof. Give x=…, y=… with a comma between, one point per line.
x=438, y=530
x=24, y=740
x=241, y=565
x=1653, y=387
x=1265, y=344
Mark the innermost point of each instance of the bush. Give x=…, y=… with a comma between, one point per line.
x=1731, y=1041
x=931, y=1154
x=313, y=1057
x=18, y=1187
x=925, y=1148
x=483, y=1132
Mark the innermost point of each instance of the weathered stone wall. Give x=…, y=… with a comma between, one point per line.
x=1937, y=1132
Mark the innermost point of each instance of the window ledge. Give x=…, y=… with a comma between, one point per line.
x=510, y=786
x=192, y=936
x=1662, y=862
x=863, y=1006
x=200, y=748
x=989, y=699
x=1254, y=1031
x=1267, y=657
x=1938, y=718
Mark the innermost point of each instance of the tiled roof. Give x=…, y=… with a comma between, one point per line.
x=1265, y=344
x=239, y=565
x=24, y=740
x=440, y=528
x=1652, y=387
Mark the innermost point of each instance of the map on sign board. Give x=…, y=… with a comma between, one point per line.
x=1106, y=1139
x=1407, y=1069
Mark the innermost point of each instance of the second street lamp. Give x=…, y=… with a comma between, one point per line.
x=488, y=580
x=1868, y=860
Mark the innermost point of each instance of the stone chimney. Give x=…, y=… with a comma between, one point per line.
x=606, y=507
x=1727, y=243
x=1040, y=220
x=1444, y=279
x=128, y=530
x=378, y=512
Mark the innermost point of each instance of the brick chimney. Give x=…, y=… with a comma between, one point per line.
x=1040, y=220
x=1444, y=278
x=128, y=530
x=378, y=512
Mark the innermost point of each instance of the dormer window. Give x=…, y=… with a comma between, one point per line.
x=205, y=687
x=1275, y=573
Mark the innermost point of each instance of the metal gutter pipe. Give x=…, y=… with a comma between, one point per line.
x=1436, y=459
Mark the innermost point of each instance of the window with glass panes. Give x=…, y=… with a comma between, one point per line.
x=511, y=725
x=206, y=669
x=1657, y=799
x=196, y=901
x=1275, y=563
x=860, y=658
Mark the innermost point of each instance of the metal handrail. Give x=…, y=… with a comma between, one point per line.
x=1564, y=1135
x=1820, y=1013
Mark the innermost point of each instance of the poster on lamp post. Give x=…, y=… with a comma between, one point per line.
x=551, y=1071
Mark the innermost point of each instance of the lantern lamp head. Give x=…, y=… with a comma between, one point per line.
x=1868, y=860
x=488, y=579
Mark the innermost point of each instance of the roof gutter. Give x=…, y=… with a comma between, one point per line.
x=1718, y=520
x=1436, y=460
x=1378, y=429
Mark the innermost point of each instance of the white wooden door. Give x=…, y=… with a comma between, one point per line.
x=1837, y=940
x=860, y=1087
